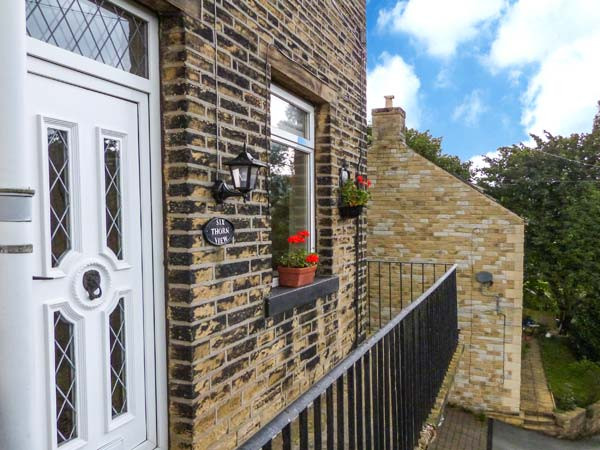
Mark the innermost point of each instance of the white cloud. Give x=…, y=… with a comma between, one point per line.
x=562, y=39
x=531, y=30
x=514, y=76
x=393, y=76
x=444, y=79
x=442, y=25
x=478, y=161
x=471, y=108
x=563, y=95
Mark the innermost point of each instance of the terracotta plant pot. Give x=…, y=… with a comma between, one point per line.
x=351, y=211
x=296, y=276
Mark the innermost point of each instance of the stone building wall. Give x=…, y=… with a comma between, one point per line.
x=419, y=212
x=230, y=368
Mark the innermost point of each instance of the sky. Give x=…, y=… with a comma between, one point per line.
x=486, y=73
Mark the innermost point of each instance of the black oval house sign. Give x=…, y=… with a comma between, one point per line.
x=218, y=231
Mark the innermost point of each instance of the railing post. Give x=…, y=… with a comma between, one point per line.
x=351, y=417
x=368, y=410
x=401, y=287
x=394, y=384
x=360, y=413
x=329, y=414
x=340, y=413
x=317, y=423
x=386, y=396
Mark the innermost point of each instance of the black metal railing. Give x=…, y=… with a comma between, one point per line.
x=393, y=285
x=380, y=395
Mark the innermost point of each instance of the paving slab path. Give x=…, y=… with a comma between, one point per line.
x=536, y=398
x=460, y=431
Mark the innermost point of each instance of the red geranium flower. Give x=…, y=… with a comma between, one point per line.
x=368, y=183
x=303, y=233
x=360, y=179
x=295, y=239
x=313, y=258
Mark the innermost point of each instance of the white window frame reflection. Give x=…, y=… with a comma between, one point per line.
x=306, y=146
x=307, y=141
x=310, y=187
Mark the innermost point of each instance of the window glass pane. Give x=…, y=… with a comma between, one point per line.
x=65, y=379
x=112, y=184
x=289, y=195
x=288, y=117
x=118, y=374
x=95, y=29
x=59, y=189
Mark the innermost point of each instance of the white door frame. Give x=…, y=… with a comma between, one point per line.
x=38, y=50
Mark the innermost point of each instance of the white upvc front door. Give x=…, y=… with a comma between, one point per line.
x=96, y=217
x=90, y=285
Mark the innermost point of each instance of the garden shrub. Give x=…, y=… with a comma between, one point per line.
x=573, y=382
x=589, y=371
x=585, y=330
x=565, y=398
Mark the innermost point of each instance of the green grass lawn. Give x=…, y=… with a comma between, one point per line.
x=573, y=382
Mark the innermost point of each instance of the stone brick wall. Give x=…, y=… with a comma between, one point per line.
x=230, y=369
x=418, y=213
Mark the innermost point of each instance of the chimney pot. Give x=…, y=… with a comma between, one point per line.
x=389, y=101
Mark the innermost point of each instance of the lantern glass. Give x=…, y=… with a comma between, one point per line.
x=235, y=176
x=244, y=177
x=238, y=175
x=253, y=177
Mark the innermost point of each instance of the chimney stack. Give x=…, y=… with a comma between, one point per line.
x=388, y=122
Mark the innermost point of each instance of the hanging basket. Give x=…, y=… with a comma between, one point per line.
x=349, y=212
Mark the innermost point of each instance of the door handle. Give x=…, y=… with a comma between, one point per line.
x=92, y=284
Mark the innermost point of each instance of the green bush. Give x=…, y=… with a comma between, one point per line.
x=585, y=330
x=565, y=398
x=589, y=371
x=573, y=382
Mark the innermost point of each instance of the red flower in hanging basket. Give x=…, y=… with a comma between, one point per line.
x=355, y=193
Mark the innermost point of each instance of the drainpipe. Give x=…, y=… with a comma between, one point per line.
x=17, y=352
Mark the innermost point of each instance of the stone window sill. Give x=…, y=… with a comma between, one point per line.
x=284, y=299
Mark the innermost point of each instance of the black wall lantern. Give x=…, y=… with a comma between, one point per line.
x=244, y=174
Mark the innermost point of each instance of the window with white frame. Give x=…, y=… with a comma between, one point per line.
x=291, y=161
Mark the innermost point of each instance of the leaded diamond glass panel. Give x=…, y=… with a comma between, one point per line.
x=117, y=360
x=112, y=183
x=95, y=29
x=59, y=189
x=65, y=379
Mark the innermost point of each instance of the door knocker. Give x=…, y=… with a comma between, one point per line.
x=91, y=283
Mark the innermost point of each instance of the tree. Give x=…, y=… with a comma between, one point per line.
x=431, y=148
x=555, y=186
